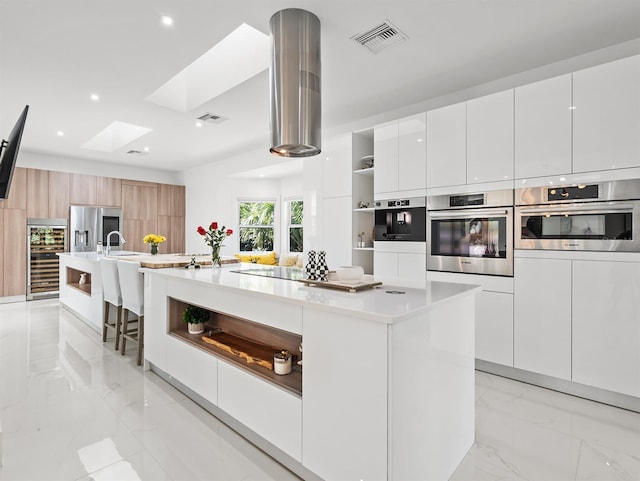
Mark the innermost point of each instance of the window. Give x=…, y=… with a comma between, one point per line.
x=295, y=214
x=256, y=225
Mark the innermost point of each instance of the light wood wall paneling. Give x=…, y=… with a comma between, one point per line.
x=164, y=228
x=177, y=234
x=177, y=200
x=82, y=189
x=134, y=232
x=109, y=191
x=17, y=191
x=37, y=193
x=15, y=252
x=164, y=199
x=140, y=202
x=58, y=195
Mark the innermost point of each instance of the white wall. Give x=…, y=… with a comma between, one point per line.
x=211, y=195
x=36, y=160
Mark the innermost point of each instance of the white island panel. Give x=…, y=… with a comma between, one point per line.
x=344, y=387
x=267, y=410
x=432, y=392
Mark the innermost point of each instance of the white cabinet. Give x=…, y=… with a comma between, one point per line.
x=494, y=327
x=490, y=138
x=412, y=152
x=543, y=128
x=336, y=231
x=606, y=325
x=494, y=314
x=404, y=260
x=265, y=409
x=606, y=119
x=447, y=146
x=401, y=155
x=192, y=367
x=385, y=151
x=341, y=352
x=542, y=320
x=336, y=162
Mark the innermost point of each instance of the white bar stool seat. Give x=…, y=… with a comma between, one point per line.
x=132, y=288
x=112, y=297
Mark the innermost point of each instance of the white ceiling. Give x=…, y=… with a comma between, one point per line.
x=54, y=54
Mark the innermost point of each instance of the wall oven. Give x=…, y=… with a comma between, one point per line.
x=471, y=233
x=593, y=217
x=400, y=220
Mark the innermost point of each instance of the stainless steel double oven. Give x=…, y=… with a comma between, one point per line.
x=601, y=216
x=471, y=233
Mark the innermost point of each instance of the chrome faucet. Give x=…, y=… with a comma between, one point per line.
x=122, y=241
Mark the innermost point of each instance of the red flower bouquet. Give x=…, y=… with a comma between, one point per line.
x=214, y=238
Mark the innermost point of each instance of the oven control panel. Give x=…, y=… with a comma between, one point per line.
x=465, y=200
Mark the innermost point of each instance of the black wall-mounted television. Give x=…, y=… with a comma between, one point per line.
x=9, y=154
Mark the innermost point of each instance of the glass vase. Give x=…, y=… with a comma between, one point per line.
x=215, y=256
x=154, y=249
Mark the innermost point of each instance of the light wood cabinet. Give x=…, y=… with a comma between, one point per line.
x=543, y=128
x=490, y=138
x=17, y=191
x=135, y=230
x=447, y=146
x=58, y=195
x=171, y=200
x=108, y=191
x=15, y=252
x=172, y=227
x=606, y=119
x=82, y=189
x=37, y=193
x=139, y=202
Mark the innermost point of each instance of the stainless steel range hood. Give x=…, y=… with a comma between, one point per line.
x=294, y=79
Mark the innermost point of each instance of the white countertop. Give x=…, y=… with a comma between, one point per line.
x=378, y=304
x=94, y=256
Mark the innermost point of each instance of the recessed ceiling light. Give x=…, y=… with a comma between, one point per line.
x=261, y=175
x=146, y=149
x=95, y=97
x=60, y=133
x=166, y=20
x=198, y=124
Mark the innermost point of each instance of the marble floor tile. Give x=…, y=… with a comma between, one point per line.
x=72, y=408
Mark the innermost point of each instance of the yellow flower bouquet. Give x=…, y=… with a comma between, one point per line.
x=153, y=240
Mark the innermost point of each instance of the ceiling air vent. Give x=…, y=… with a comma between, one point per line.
x=380, y=37
x=211, y=118
x=136, y=152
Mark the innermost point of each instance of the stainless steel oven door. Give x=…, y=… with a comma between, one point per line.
x=593, y=226
x=475, y=241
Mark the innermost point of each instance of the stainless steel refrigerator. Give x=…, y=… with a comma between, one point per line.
x=89, y=225
x=45, y=239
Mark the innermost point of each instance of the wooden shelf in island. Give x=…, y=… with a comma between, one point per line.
x=243, y=343
x=73, y=280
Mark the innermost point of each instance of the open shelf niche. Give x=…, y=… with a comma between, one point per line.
x=73, y=280
x=268, y=338
x=362, y=191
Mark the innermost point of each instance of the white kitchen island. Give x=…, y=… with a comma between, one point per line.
x=386, y=390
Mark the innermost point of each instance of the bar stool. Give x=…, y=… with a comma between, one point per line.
x=112, y=297
x=131, y=285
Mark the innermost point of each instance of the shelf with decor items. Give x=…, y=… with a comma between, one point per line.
x=79, y=280
x=363, y=166
x=243, y=343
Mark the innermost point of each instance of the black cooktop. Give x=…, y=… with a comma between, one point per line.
x=288, y=273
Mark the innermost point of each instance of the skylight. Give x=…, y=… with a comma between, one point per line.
x=239, y=56
x=114, y=136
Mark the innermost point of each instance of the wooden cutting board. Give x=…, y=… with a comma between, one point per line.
x=163, y=261
x=251, y=351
